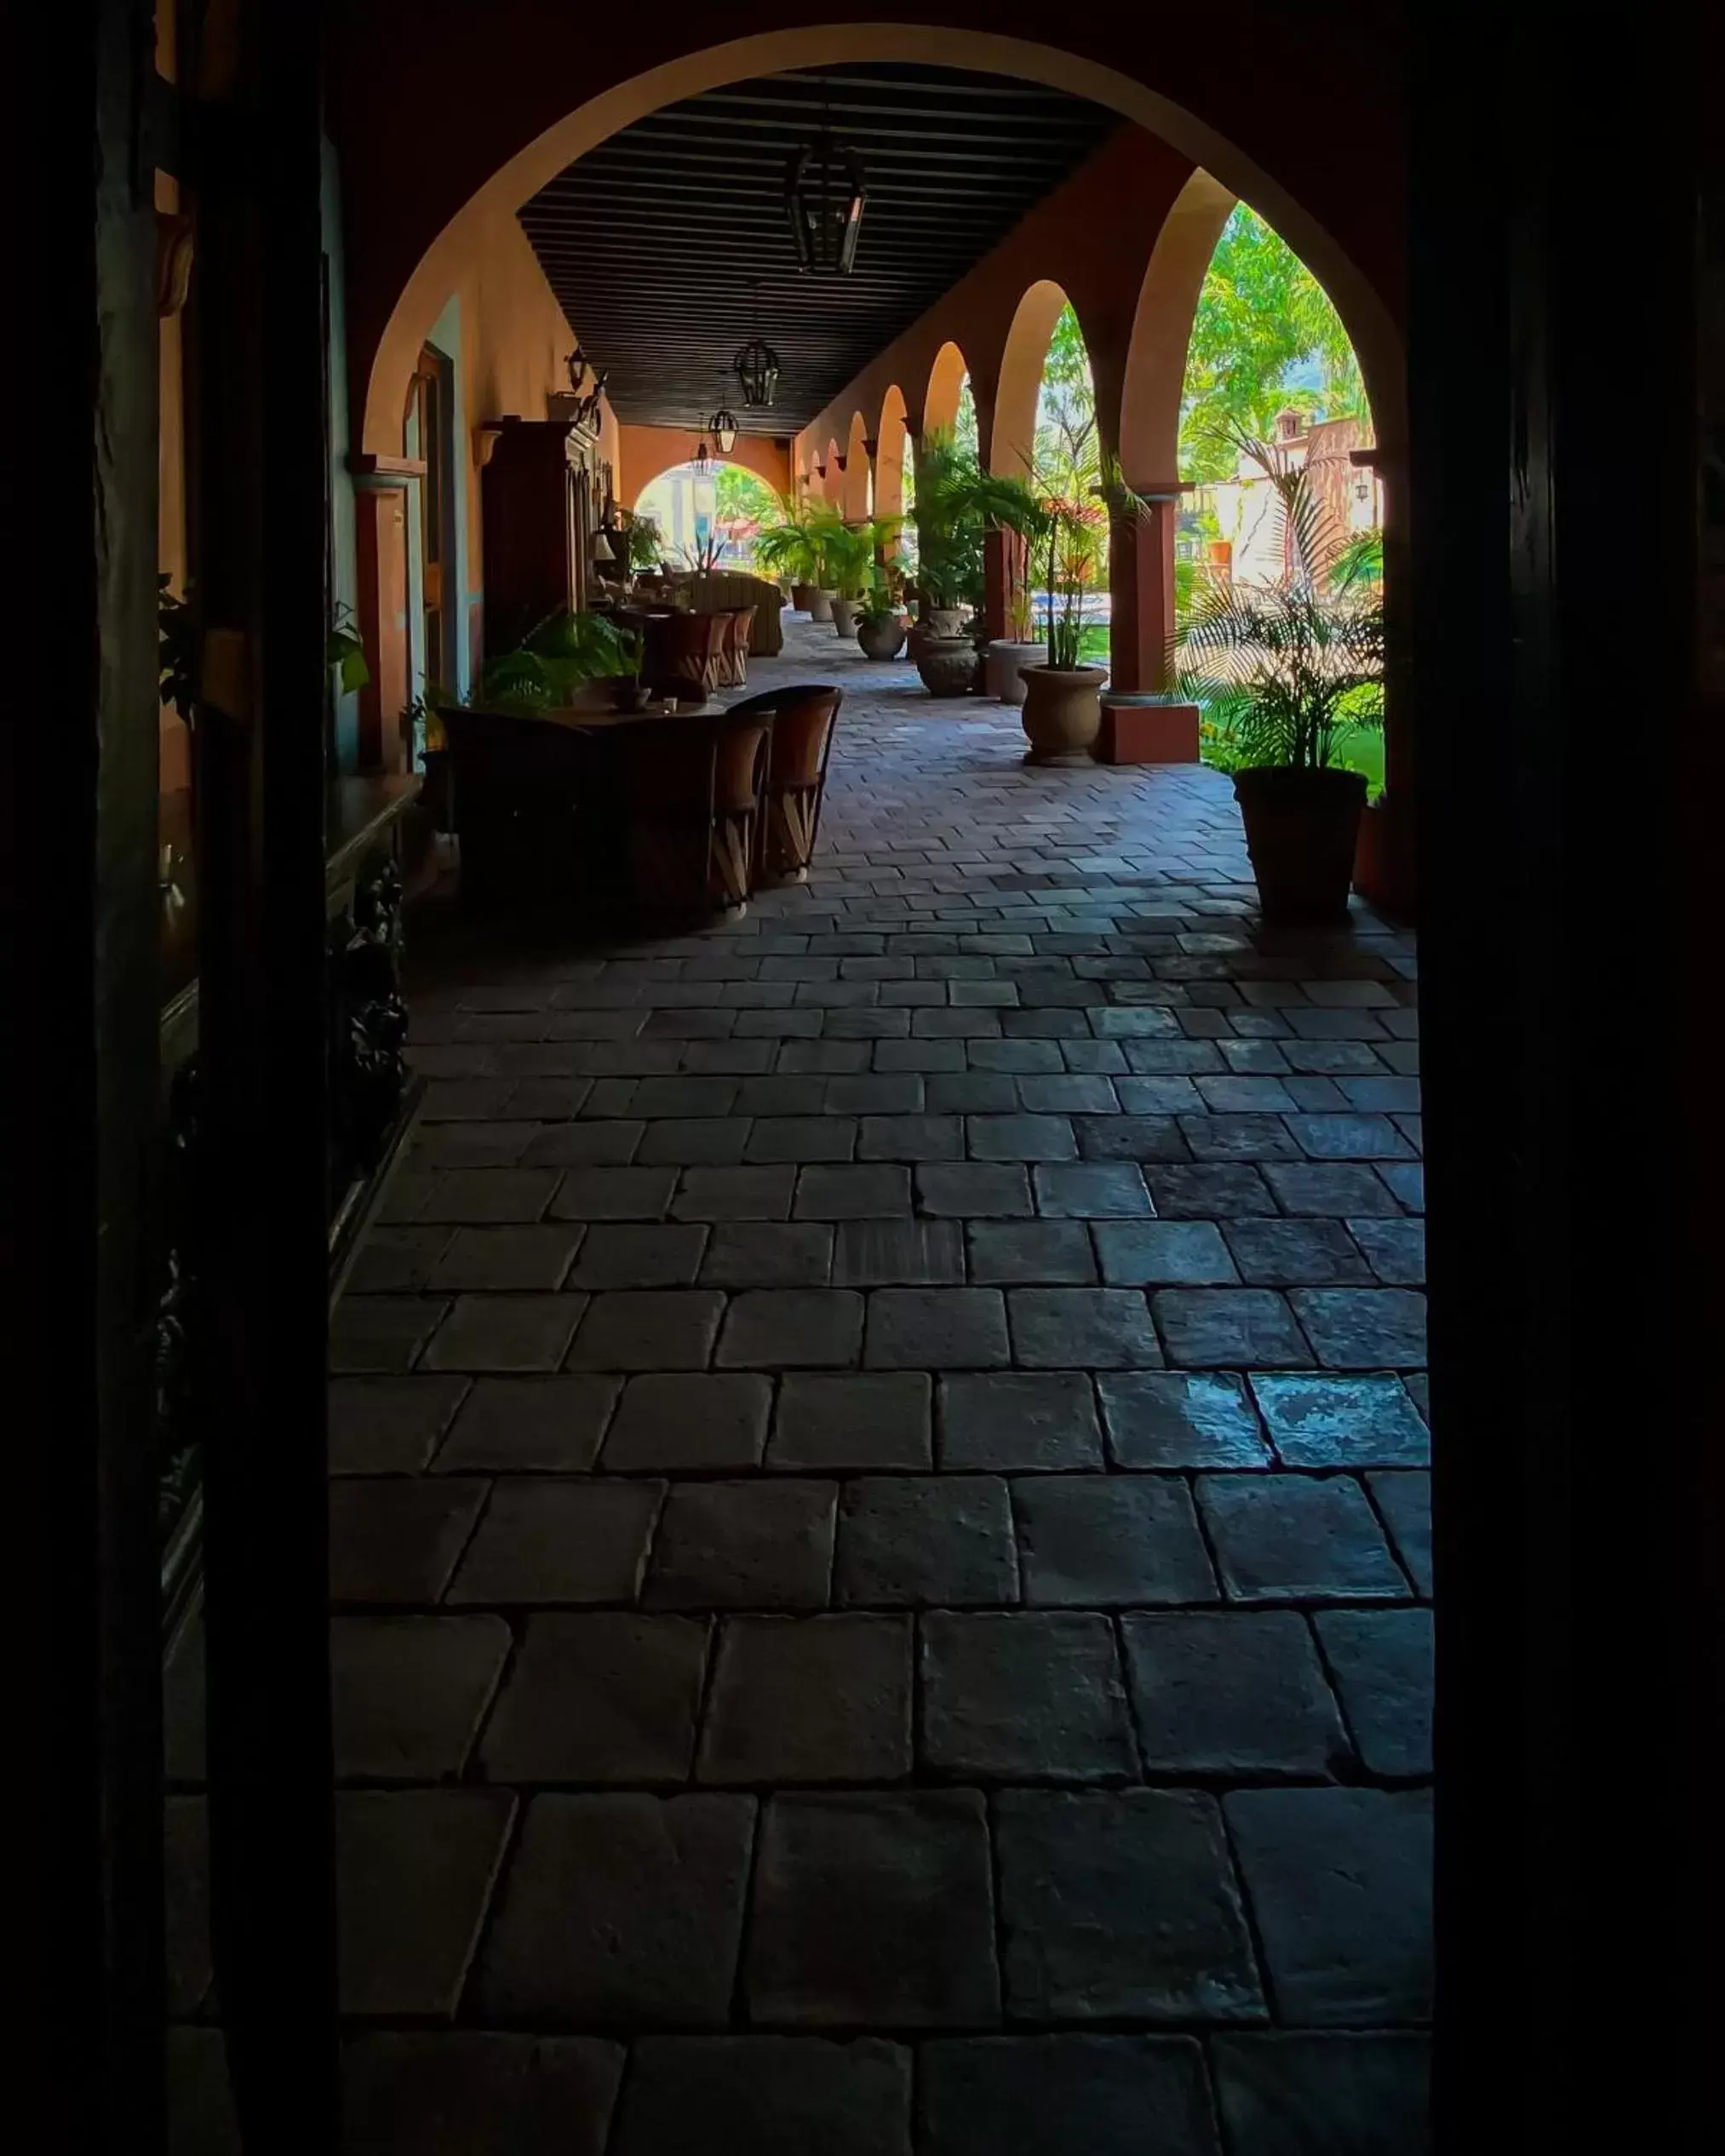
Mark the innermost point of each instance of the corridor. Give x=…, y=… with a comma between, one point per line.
x=879, y=1521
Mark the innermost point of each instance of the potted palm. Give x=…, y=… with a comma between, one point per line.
x=849, y=555
x=790, y=547
x=880, y=623
x=1285, y=671
x=949, y=527
x=1063, y=699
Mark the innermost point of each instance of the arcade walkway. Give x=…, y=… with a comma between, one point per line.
x=880, y=1524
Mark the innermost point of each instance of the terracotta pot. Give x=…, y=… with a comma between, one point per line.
x=820, y=608
x=1302, y=828
x=880, y=635
x=947, y=664
x=845, y=616
x=1063, y=711
x=1005, y=665
x=803, y=597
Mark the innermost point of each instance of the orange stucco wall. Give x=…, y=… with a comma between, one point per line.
x=645, y=451
x=514, y=339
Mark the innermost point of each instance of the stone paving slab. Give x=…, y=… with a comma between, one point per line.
x=1107, y=2096
x=766, y=2095
x=601, y=1697
x=621, y=1912
x=874, y=1911
x=1235, y=1695
x=408, y=1694
x=857, y=1422
x=1284, y=2095
x=810, y=1699
x=1023, y=1697
x=466, y=2092
x=1121, y=1904
x=546, y=1539
x=414, y=1869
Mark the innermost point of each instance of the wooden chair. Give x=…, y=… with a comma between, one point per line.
x=804, y=719
x=738, y=622
x=684, y=654
x=689, y=793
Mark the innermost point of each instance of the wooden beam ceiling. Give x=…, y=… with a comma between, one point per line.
x=653, y=240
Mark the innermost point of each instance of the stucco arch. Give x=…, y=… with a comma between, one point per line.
x=1018, y=388
x=890, y=435
x=644, y=454
x=388, y=328
x=1155, y=371
x=853, y=498
x=946, y=380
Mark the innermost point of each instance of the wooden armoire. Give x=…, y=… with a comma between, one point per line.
x=543, y=494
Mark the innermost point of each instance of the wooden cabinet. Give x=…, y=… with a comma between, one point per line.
x=544, y=493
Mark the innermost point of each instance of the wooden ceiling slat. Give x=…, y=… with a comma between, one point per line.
x=652, y=241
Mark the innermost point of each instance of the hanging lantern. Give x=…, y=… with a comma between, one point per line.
x=824, y=196
x=722, y=427
x=702, y=461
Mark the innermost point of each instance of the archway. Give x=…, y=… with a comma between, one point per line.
x=385, y=345
x=1017, y=392
x=889, y=455
x=858, y=489
x=727, y=501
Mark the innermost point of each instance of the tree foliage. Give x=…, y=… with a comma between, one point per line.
x=1265, y=339
x=740, y=495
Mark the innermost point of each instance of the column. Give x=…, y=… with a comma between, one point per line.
x=1385, y=864
x=1142, y=723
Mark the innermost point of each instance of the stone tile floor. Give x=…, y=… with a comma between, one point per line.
x=879, y=1519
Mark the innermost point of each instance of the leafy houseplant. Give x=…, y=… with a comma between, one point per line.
x=880, y=624
x=792, y=547
x=1287, y=670
x=646, y=544
x=547, y=670
x=706, y=554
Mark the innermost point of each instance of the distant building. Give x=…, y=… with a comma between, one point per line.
x=1244, y=507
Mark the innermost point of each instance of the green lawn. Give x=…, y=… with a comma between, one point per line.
x=1364, y=750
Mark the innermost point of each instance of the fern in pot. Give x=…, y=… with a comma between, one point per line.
x=1286, y=671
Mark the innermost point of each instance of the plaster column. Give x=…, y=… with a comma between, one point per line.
x=379, y=516
x=1141, y=589
x=1003, y=553
x=1385, y=868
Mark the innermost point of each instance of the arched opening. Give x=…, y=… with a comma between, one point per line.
x=1272, y=385
x=892, y=438
x=855, y=498
x=946, y=394
x=693, y=507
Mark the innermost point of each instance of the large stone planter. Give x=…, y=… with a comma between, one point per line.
x=1003, y=668
x=947, y=664
x=880, y=635
x=1063, y=711
x=944, y=621
x=845, y=616
x=821, y=607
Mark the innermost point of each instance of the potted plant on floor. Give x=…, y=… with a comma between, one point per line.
x=1285, y=671
x=949, y=527
x=1009, y=655
x=1062, y=696
x=880, y=621
x=848, y=552
x=790, y=546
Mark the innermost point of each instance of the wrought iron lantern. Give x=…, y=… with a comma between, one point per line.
x=756, y=365
x=702, y=459
x=722, y=427
x=825, y=193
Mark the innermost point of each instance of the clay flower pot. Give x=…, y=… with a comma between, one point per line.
x=947, y=664
x=1063, y=711
x=880, y=635
x=1301, y=829
x=1005, y=665
x=845, y=616
x=803, y=597
x=821, y=607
